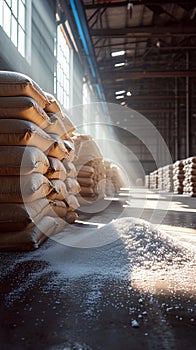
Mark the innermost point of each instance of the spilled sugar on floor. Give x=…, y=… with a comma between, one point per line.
x=138, y=291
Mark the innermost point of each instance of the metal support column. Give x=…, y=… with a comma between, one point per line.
x=188, y=106
x=176, y=122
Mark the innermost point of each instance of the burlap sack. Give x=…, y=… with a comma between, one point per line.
x=56, y=169
x=23, y=107
x=79, y=139
x=54, y=107
x=72, y=202
x=59, y=191
x=58, y=148
x=191, y=160
x=191, y=171
x=59, y=208
x=56, y=127
x=70, y=168
x=86, y=190
x=71, y=150
x=88, y=150
x=70, y=127
x=19, y=132
x=72, y=185
x=86, y=171
x=17, y=217
x=71, y=217
x=31, y=238
x=27, y=188
x=18, y=84
x=85, y=181
x=21, y=160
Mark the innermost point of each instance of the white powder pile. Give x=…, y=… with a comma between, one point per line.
x=137, y=281
x=140, y=253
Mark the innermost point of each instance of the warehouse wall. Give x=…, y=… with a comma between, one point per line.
x=10, y=58
x=42, y=50
x=77, y=81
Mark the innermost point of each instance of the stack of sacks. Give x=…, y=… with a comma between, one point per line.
x=160, y=179
x=116, y=178
x=113, y=179
x=154, y=179
x=25, y=211
x=168, y=178
x=178, y=176
x=109, y=188
x=90, y=168
x=62, y=173
x=147, y=181
x=189, y=183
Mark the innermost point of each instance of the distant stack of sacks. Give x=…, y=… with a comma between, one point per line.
x=116, y=178
x=160, y=179
x=28, y=208
x=189, y=183
x=90, y=169
x=109, y=188
x=147, y=181
x=178, y=176
x=168, y=178
x=154, y=179
x=113, y=179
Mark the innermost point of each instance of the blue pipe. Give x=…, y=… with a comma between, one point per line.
x=83, y=32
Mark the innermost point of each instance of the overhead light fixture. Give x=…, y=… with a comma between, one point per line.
x=129, y=93
x=120, y=92
x=120, y=64
x=123, y=103
x=130, y=9
x=158, y=44
x=118, y=53
x=118, y=97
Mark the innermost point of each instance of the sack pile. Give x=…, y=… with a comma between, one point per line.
x=109, y=187
x=113, y=179
x=178, y=176
x=189, y=183
x=167, y=178
x=154, y=179
x=161, y=179
x=90, y=169
x=29, y=139
x=62, y=173
x=147, y=181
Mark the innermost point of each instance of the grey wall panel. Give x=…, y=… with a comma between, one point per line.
x=10, y=58
x=77, y=81
x=42, y=50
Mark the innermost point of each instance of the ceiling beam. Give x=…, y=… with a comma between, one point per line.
x=136, y=2
x=152, y=97
x=182, y=29
x=159, y=110
x=123, y=75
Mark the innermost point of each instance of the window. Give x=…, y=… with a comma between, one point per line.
x=62, y=76
x=86, y=93
x=13, y=22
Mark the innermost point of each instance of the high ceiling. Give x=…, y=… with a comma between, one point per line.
x=158, y=68
x=159, y=40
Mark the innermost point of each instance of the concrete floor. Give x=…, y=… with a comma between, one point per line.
x=174, y=214
x=47, y=308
